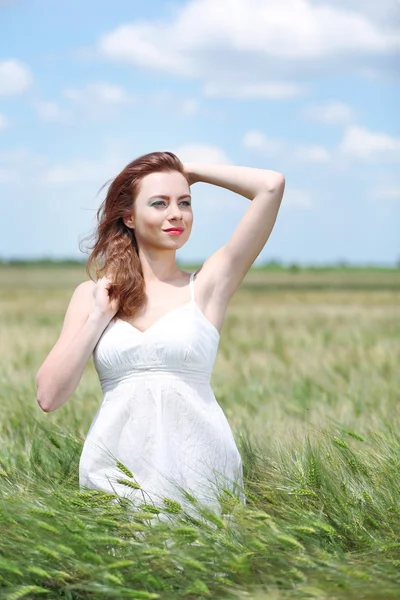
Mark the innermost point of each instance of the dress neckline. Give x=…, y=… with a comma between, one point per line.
x=192, y=301
x=165, y=315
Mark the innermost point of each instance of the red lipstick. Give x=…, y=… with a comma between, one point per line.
x=174, y=230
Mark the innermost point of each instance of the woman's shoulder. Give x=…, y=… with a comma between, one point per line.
x=86, y=287
x=80, y=305
x=83, y=293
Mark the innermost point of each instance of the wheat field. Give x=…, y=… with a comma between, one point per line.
x=308, y=376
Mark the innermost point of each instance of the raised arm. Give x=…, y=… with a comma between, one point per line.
x=225, y=269
x=88, y=314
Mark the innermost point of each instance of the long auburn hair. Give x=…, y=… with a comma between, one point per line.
x=114, y=247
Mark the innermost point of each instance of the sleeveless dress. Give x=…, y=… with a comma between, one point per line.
x=159, y=416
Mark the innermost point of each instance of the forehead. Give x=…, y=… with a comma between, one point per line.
x=171, y=183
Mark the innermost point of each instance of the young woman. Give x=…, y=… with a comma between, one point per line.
x=154, y=332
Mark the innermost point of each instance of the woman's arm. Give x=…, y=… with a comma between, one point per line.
x=60, y=373
x=246, y=181
x=224, y=270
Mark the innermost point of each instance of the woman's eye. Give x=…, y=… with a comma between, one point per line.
x=162, y=202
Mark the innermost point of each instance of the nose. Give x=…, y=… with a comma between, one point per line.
x=174, y=212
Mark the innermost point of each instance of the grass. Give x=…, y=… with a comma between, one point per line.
x=307, y=374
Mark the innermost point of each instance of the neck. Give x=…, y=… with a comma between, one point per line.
x=159, y=265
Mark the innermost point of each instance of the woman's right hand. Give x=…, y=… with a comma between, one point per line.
x=103, y=305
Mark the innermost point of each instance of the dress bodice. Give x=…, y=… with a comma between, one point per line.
x=182, y=342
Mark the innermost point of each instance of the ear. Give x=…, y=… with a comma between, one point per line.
x=128, y=221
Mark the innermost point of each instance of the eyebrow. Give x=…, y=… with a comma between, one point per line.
x=169, y=197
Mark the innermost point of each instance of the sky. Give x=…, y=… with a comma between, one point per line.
x=309, y=88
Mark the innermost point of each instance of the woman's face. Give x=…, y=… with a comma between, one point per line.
x=163, y=202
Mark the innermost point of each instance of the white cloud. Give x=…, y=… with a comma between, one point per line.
x=170, y=102
x=99, y=171
x=4, y=122
x=273, y=147
x=190, y=107
x=202, y=154
x=391, y=193
x=51, y=112
x=31, y=169
x=15, y=77
x=256, y=140
x=246, y=91
x=359, y=142
x=98, y=101
x=73, y=173
x=80, y=171
x=95, y=101
x=134, y=44
x=99, y=92
x=7, y=175
x=331, y=113
x=20, y=166
x=249, y=40
x=387, y=193
x=311, y=153
x=385, y=11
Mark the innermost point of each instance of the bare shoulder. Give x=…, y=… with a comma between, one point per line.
x=81, y=302
x=86, y=288
x=78, y=309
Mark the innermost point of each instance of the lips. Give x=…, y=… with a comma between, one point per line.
x=175, y=229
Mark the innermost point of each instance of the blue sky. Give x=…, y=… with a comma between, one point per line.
x=309, y=88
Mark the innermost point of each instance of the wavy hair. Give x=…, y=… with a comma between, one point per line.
x=114, y=249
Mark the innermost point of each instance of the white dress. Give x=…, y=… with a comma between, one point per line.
x=159, y=415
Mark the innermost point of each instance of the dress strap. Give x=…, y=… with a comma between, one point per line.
x=192, y=286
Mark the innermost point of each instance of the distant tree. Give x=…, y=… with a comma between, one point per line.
x=294, y=268
x=343, y=263
x=273, y=263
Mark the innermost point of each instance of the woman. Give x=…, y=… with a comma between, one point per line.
x=154, y=332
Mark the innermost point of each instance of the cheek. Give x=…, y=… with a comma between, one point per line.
x=153, y=219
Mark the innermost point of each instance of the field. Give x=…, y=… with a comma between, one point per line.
x=308, y=376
